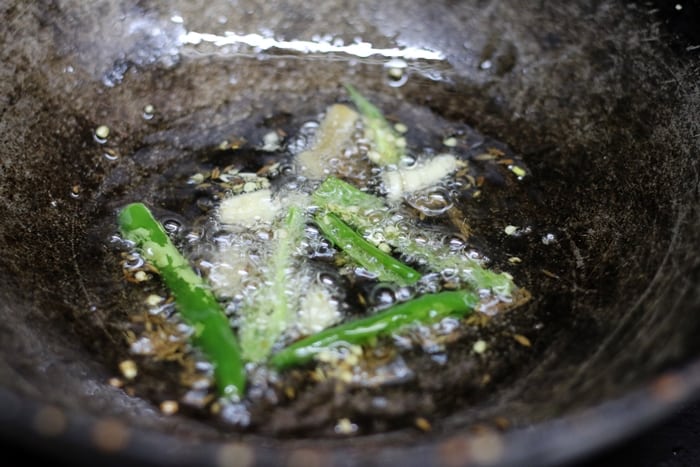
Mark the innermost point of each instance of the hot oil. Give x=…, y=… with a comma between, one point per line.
x=457, y=213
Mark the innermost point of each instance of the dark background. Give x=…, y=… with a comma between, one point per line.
x=674, y=442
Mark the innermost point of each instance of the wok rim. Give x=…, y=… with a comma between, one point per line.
x=558, y=440
x=571, y=438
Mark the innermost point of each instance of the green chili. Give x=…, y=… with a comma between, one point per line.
x=384, y=266
x=424, y=309
x=193, y=298
x=360, y=211
x=341, y=197
x=386, y=148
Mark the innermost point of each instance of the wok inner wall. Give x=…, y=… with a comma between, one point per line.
x=605, y=121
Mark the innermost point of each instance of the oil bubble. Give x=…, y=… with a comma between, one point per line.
x=172, y=225
x=475, y=255
x=456, y=242
x=375, y=217
x=397, y=77
x=447, y=325
x=322, y=251
x=396, y=72
x=286, y=169
x=133, y=261
x=429, y=283
x=403, y=294
x=326, y=278
x=548, y=239
x=486, y=65
x=449, y=274
x=438, y=357
x=431, y=203
x=235, y=414
x=304, y=137
x=382, y=296
x=408, y=161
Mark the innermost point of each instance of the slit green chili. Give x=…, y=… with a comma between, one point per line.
x=383, y=265
x=358, y=210
x=193, y=297
x=425, y=309
x=386, y=148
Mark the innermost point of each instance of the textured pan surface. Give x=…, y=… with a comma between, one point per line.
x=602, y=110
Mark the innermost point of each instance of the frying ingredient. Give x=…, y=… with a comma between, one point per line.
x=369, y=215
x=272, y=309
x=384, y=266
x=398, y=183
x=128, y=369
x=102, y=132
x=248, y=208
x=425, y=309
x=323, y=253
x=193, y=296
x=333, y=135
x=388, y=144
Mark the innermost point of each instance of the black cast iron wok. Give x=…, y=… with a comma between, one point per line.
x=601, y=107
